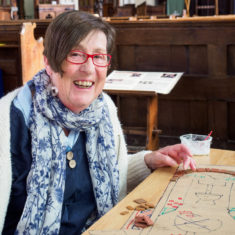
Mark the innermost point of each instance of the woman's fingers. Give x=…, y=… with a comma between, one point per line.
x=170, y=156
x=188, y=161
x=168, y=161
x=193, y=165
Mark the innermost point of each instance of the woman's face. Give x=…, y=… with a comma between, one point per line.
x=82, y=83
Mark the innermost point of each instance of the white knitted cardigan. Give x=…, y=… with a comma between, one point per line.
x=131, y=167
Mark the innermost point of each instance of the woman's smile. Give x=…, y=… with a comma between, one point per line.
x=83, y=84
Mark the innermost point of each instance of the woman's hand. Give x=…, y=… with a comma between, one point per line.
x=171, y=155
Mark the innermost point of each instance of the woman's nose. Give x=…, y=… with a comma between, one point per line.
x=88, y=66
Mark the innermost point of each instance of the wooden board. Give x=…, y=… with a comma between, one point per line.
x=200, y=202
x=153, y=187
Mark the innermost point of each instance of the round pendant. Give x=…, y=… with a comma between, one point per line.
x=72, y=163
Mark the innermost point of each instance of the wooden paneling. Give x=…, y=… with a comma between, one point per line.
x=197, y=60
x=231, y=59
x=204, y=51
x=9, y=64
x=231, y=122
x=5, y=13
x=202, y=48
x=133, y=118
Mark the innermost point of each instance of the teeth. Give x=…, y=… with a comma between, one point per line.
x=83, y=83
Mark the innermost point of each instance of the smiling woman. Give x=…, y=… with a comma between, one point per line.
x=64, y=161
x=82, y=80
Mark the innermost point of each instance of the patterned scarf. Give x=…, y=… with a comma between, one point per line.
x=46, y=179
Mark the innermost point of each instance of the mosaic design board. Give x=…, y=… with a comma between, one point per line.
x=194, y=203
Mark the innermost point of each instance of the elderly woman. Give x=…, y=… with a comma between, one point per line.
x=64, y=160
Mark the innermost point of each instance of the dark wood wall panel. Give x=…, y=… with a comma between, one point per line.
x=197, y=60
x=170, y=122
x=217, y=66
x=136, y=109
x=231, y=121
x=148, y=57
x=126, y=57
x=9, y=64
x=179, y=58
x=198, y=116
x=178, y=116
x=231, y=59
x=189, y=59
x=218, y=118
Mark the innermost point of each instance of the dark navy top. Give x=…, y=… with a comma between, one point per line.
x=79, y=202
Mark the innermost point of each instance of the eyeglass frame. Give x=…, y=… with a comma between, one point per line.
x=90, y=56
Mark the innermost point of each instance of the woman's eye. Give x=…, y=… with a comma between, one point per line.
x=75, y=54
x=101, y=57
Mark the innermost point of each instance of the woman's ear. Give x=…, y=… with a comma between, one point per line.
x=47, y=66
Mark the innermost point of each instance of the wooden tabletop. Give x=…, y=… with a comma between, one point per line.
x=152, y=188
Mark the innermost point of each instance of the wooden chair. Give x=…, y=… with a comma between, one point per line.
x=31, y=52
x=187, y=4
x=214, y=6
x=126, y=10
x=146, y=10
x=5, y=13
x=8, y=10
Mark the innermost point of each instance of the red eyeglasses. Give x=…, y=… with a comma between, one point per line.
x=79, y=57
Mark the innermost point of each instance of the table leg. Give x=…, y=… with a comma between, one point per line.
x=152, y=123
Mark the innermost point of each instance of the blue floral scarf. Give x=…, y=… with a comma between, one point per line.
x=46, y=179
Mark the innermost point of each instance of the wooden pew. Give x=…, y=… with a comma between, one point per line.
x=31, y=52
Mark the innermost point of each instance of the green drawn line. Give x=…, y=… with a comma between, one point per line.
x=201, y=176
x=167, y=210
x=230, y=178
x=232, y=209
